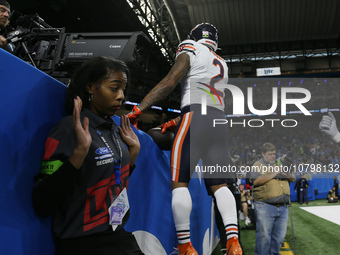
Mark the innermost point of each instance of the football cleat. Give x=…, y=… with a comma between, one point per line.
x=234, y=247
x=187, y=249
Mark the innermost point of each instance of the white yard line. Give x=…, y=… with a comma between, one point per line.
x=330, y=213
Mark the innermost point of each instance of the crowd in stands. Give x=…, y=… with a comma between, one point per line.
x=314, y=147
x=263, y=92
x=311, y=145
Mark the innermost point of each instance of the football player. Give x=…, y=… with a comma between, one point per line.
x=201, y=72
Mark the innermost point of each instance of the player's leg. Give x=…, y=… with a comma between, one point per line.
x=226, y=205
x=219, y=221
x=216, y=155
x=220, y=227
x=180, y=177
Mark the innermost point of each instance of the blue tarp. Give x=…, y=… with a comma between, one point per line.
x=31, y=103
x=320, y=184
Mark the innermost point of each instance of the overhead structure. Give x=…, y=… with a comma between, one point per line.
x=287, y=38
x=156, y=16
x=291, y=34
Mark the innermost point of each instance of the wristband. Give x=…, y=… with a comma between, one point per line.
x=136, y=110
x=336, y=138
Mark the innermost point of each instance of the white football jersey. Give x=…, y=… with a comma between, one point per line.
x=207, y=73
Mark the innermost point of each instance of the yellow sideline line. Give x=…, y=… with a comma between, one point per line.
x=285, y=250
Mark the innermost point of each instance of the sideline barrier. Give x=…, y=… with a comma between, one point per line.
x=151, y=214
x=320, y=182
x=31, y=103
x=323, y=183
x=294, y=193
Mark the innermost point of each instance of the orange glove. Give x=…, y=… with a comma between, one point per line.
x=134, y=116
x=171, y=124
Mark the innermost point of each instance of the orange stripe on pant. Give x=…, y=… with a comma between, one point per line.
x=177, y=146
x=184, y=234
x=232, y=229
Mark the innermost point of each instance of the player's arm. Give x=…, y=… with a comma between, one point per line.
x=171, y=124
x=168, y=84
x=163, y=88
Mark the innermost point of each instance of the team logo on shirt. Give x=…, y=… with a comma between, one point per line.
x=104, y=152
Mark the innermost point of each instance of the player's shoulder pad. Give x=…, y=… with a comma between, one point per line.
x=187, y=46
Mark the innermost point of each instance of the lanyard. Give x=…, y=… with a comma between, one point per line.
x=116, y=142
x=117, y=164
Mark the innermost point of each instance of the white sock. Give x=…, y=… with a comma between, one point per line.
x=226, y=204
x=181, y=210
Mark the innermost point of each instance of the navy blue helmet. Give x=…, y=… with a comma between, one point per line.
x=206, y=34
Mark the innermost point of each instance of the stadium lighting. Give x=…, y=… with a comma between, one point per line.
x=158, y=20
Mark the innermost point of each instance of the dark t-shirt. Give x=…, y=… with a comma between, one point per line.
x=79, y=199
x=303, y=183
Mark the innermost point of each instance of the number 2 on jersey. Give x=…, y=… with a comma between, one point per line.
x=217, y=78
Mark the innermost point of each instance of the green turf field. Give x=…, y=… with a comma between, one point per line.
x=313, y=235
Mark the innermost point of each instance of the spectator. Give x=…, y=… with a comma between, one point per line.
x=332, y=197
x=245, y=201
x=271, y=196
x=302, y=186
x=5, y=11
x=336, y=186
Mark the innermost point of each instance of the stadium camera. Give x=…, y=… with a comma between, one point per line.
x=58, y=53
x=16, y=35
x=33, y=40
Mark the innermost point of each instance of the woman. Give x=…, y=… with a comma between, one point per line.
x=87, y=163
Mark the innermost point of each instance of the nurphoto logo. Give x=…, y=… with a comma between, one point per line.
x=281, y=98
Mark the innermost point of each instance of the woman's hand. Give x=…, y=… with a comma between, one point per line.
x=83, y=136
x=130, y=138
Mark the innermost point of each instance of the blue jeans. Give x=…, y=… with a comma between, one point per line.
x=271, y=227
